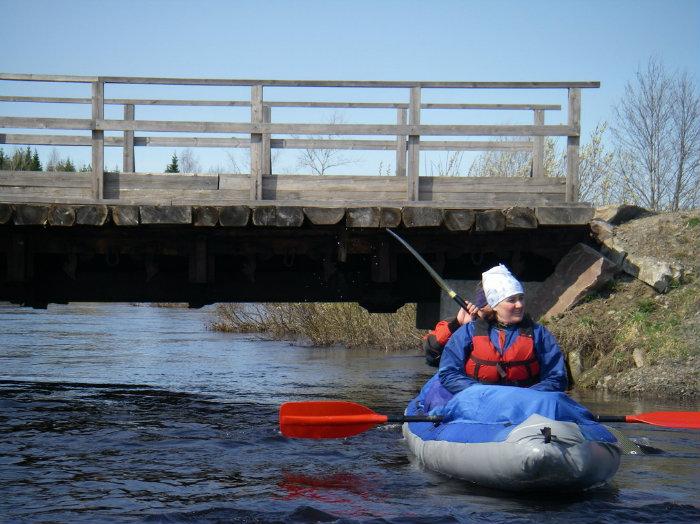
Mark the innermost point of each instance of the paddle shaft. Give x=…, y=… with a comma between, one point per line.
x=437, y=278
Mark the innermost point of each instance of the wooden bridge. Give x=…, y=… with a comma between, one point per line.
x=260, y=235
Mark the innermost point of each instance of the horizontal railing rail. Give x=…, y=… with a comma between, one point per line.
x=263, y=135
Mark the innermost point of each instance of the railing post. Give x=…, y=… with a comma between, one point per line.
x=572, y=145
x=98, y=140
x=538, y=147
x=401, y=119
x=256, y=143
x=266, y=149
x=128, y=163
x=414, y=145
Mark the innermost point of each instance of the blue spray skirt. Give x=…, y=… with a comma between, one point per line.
x=497, y=436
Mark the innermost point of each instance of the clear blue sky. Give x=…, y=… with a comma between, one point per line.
x=605, y=40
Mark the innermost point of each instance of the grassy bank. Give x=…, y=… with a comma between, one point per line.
x=323, y=324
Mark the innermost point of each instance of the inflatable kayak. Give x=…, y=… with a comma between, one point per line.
x=510, y=438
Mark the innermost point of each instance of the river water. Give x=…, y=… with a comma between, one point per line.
x=116, y=413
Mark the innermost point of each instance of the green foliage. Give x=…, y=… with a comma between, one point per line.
x=173, y=166
x=694, y=222
x=21, y=160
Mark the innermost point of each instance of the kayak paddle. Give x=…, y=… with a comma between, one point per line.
x=338, y=419
x=438, y=280
x=335, y=419
x=667, y=419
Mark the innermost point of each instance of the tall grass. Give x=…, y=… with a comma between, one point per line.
x=323, y=324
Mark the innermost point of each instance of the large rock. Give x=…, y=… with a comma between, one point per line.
x=655, y=272
x=619, y=214
x=659, y=274
x=581, y=271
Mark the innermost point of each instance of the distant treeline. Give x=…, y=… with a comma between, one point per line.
x=28, y=160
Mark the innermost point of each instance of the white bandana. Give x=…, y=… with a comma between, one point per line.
x=499, y=284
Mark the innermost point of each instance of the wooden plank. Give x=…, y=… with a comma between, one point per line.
x=422, y=217
x=98, y=140
x=459, y=219
x=45, y=140
x=538, y=148
x=492, y=220
x=5, y=213
x=324, y=216
x=363, y=217
x=91, y=215
x=234, y=216
x=44, y=179
x=165, y=214
x=401, y=143
x=246, y=103
x=572, y=145
x=61, y=215
x=31, y=215
x=266, y=149
x=278, y=216
x=520, y=218
x=390, y=216
x=18, y=122
x=256, y=143
x=322, y=83
x=321, y=129
x=49, y=193
x=125, y=215
x=164, y=181
x=276, y=143
x=564, y=215
x=413, y=154
x=205, y=216
x=128, y=148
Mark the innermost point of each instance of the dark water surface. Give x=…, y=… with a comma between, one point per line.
x=115, y=413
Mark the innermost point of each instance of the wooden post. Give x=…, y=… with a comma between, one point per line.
x=256, y=143
x=413, y=145
x=98, y=140
x=538, y=147
x=266, y=150
x=401, y=117
x=572, y=145
x=128, y=150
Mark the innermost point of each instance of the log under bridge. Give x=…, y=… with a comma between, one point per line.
x=263, y=236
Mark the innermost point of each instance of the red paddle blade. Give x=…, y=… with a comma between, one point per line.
x=331, y=419
x=669, y=419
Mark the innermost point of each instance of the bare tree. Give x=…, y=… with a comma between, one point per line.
x=642, y=133
x=320, y=161
x=595, y=170
x=517, y=163
x=189, y=163
x=452, y=165
x=685, y=115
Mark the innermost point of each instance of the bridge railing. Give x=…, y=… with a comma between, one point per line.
x=407, y=137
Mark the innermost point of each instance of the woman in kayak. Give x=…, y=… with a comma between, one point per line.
x=507, y=348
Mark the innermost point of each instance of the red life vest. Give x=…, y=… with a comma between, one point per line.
x=517, y=366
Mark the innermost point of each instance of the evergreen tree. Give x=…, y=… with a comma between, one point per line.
x=173, y=167
x=3, y=160
x=36, y=163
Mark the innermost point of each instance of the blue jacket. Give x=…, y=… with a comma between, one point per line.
x=458, y=348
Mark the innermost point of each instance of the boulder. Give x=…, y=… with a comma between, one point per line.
x=581, y=271
x=619, y=214
x=659, y=274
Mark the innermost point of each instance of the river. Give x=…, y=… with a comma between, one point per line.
x=117, y=413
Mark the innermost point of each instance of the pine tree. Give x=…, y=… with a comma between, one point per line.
x=3, y=160
x=173, y=167
x=36, y=163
